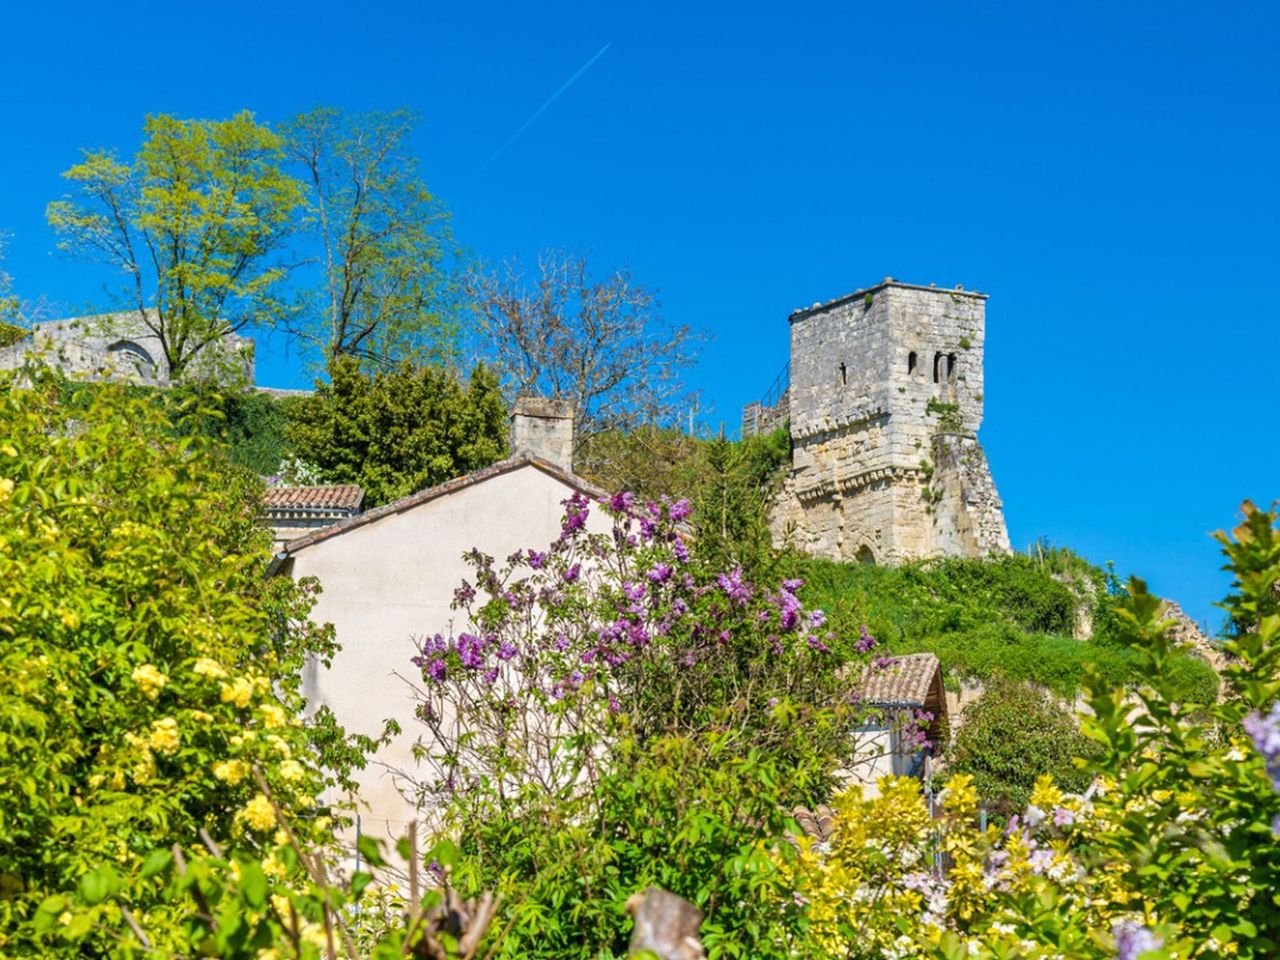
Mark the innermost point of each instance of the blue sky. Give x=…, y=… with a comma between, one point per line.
x=1106, y=172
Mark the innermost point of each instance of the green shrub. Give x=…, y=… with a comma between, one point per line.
x=1012, y=734
x=145, y=663
x=398, y=431
x=11, y=333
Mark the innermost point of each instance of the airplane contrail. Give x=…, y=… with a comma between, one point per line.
x=550, y=100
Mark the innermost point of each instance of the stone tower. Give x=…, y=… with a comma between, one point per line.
x=885, y=401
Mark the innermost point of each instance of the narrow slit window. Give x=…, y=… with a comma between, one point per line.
x=844, y=374
x=951, y=368
x=912, y=362
x=938, y=360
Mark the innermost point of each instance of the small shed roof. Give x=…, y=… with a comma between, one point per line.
x=345, y=496
x=907, y=680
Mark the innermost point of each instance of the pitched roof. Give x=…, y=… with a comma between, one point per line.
x=444, y=489
x=904, y=681
x=345, y=496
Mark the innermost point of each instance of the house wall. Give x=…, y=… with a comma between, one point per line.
x=389, y=583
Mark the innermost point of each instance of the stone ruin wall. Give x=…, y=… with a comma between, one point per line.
x=880, y=472
x=119, y=346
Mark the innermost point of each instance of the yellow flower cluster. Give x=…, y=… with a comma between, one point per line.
x=259, y=814
x=273, y=714
x=231, y=771
x=164, y=736
x=150, y=679
x=205, y=667
x=239, y=692
x=878, y=886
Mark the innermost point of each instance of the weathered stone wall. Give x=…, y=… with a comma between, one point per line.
x=757, y=418
x=876, y=377
x=968, y=517
x=119, y=346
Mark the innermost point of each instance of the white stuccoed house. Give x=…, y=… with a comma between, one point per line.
x=388, y=577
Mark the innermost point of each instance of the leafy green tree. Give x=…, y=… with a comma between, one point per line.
x=193, y=222
x=1012, y=735
x=398, y=431
x=9, y=328
x=146, y=664
x=386, y=293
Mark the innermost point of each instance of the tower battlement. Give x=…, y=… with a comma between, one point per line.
x=885, y=401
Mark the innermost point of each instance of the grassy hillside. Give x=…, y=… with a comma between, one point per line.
x=1010, y=617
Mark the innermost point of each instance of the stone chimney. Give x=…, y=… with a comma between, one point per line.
x=543, y=428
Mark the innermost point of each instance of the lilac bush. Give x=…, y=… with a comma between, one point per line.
x=566, y=647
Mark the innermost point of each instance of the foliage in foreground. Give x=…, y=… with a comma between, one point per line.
x=145, y=664
x=617, y=712
x=1172, y=851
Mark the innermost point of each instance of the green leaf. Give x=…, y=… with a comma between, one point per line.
x=99, y=884
x=370, y=850
x=157, y=862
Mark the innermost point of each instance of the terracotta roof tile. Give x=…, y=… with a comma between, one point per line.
x=905, y=681
x=337, y=497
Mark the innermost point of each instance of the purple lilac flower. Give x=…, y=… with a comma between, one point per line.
x=507, y=650
x=680, y=550
x=817, y=644
x=866, y=642
x=1133, y=939
x=648, y=529
x=660, y=573
x=561, y=642
x=731, y=583
x=536, y=559
x=1265, y=730
x=622, y=502
x=680, y=510
x=633, y=591
x=464, y=594
x=575, y=515
x=817, y=618
x=679, y=607
x=491, y=675
x=470, y=650
x=613, y=704
x=789, y=608
x=435, y=670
